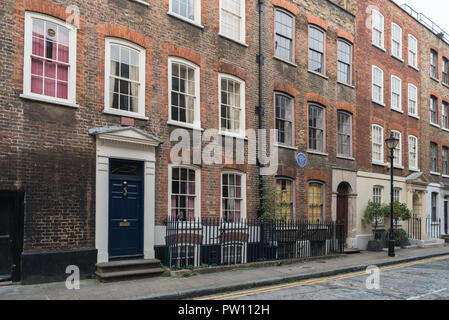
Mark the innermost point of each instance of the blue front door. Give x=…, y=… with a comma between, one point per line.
x=125, y=208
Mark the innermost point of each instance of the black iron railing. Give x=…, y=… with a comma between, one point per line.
x=213, y=241
x=414, y=228
x=433, y=228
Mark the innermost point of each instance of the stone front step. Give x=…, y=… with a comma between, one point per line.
x=445, y=238
x=128, y=269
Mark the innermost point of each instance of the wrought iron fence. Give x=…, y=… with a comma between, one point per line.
x=213, y=241
x=433, y=228
x=414, y=228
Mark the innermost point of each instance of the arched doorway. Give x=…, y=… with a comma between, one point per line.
x=343, y=191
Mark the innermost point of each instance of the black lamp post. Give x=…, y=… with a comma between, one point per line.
x=391, y=143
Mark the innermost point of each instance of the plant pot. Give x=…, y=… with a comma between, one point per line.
x=375, y=245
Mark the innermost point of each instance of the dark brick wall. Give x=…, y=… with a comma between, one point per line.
x=305, y=87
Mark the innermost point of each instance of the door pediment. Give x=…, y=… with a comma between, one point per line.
x=126, y=135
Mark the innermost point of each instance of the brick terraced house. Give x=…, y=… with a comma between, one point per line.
x=96, y=95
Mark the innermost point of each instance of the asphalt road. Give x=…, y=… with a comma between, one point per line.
x=419, y=280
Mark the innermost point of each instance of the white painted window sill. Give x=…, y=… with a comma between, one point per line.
x=193, y=23
x=346, y=84
x=345, y=157
x=378, y=47
x=414, y=67
x=378, y=103
x=445, y=84
x=435, y=173
x=233, y=40
x=376, y=163
x=319, y=153
x=445, y=129
x=232, y=135
x=397, y=58
x=285, y=146
x=413, y=169
x=413, y=116
x=142, y=2
x=434, y=79
x=434, y=125
x=286, y=61
x=318, y=74
x=128, y=114
x=49, y=100
x=445, y=176
x=396, y=166
x=185, y=125
x=397, y=110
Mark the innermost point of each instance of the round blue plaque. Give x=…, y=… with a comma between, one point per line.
x=301, y=159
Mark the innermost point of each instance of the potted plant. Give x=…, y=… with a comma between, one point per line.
x=400, y=213
x=374, y=212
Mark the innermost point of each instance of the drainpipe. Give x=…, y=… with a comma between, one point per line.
x=259, y=108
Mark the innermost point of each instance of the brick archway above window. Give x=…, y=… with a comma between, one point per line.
x=283, y=87
x=109, y=30
x=413, y=132
x=287, y=6
x=397, y=127
x=222, y=67
x=184, y=53
x=346, y=107
x=313, y=97
x=345, y=35
x=317, y=21
x=47, y=7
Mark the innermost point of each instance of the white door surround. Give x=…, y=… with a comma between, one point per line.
x=128, y=143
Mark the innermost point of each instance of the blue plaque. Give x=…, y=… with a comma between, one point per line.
x=301, y=159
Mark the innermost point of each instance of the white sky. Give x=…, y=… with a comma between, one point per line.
x=436, y=10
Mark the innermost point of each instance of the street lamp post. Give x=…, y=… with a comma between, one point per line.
x=391, y=143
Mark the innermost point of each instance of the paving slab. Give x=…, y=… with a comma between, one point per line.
x=239, y=277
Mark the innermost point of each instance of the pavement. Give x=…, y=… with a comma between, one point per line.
x=211, y=281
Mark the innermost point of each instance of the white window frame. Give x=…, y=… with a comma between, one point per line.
x=197, y=213
x=410, y=99
x=414, y=50
x=377, y=193
x=242, y=38
x=240, y=134
x=323, y=200
x=414, y=166
x=397, y=191
x=382, y=154
x=292, y=181
x=324, y=128
x=380, y=28
x=444, y=115
x=398, y=41
x=381, y=85
x=435, y=145
x=140, y=114
x=338, y=133
x=28, y=47
x=197, y=107
x=435, y=104
x=433, y=54
x=395, y=78
x=197, y=12
x=324, y=53
x=292, y=36
x=243, y=191
x=292, y=120
x=398, y=150
x=351, y=46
